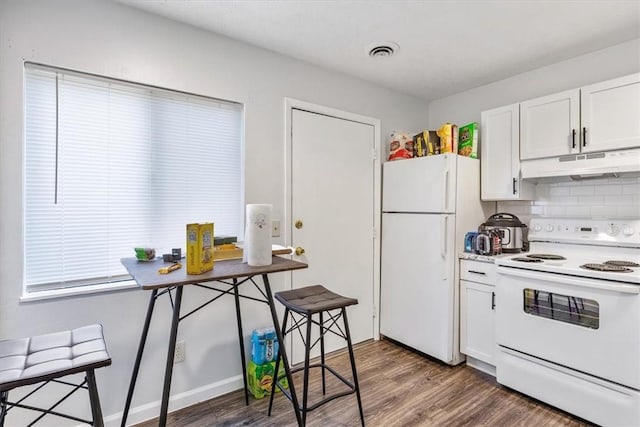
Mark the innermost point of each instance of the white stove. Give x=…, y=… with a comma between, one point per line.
x=567, y=334
x=582, y=242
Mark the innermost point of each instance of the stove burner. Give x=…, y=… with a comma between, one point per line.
x=522, y=259
x=547, y=256
x=607, y=268
x=622, y=263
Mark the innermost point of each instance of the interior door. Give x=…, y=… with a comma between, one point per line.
x=332, y=203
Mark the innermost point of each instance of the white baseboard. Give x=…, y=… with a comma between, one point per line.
x=481, y=366
x=181, y=400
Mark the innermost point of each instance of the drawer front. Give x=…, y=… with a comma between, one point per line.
x=480, y=272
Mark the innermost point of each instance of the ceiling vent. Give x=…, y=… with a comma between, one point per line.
x=379, y=50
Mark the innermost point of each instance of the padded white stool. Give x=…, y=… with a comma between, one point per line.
x=45, y=358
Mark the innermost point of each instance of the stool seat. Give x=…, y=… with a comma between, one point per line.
x=313, y=299
x=45, y=358
x=31, y=360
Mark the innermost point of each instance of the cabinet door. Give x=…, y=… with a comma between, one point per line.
x=549, y=125
x=611, y=114
x=500, y=155
x=477, y=324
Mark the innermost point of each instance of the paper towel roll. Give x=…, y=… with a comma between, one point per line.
x=257, y=235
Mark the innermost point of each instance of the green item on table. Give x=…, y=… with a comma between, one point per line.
x=145, y=254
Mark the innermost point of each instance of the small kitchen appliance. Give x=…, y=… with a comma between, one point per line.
x=511, y=230
x=487, y=242
x=568, y=318
x=470, y=241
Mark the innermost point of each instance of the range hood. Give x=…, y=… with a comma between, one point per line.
x=605, y=164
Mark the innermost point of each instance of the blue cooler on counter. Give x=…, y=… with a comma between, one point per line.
x=264, y=345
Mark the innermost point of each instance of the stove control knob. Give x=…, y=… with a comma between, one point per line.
x=537, y=227
x=613, y=230
x=549, y=227
x=628, y=231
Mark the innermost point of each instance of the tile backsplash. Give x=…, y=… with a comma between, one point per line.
x=616, y=198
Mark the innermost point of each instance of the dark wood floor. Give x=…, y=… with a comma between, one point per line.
x=399, y=388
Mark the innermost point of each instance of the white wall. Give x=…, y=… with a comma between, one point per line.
x=113, y=40
x=613, y=198
x=465, y=107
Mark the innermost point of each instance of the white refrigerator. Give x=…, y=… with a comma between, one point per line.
x=428, y=205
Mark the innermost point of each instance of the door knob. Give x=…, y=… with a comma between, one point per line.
x=298, y=224
x=299, y=251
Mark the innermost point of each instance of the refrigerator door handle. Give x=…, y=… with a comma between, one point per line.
x=445, y=193
x=443, y=245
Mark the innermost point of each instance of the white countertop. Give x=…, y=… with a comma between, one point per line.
x=482, y=258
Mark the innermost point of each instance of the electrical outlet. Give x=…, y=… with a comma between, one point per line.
x=178, y=356
x=275, y=228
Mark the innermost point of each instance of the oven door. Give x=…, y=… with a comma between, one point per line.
x=588, y=325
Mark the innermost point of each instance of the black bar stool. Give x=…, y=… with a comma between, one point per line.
x=306, y=302
x=45, y=358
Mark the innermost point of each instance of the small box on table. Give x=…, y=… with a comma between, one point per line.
x=199, y=248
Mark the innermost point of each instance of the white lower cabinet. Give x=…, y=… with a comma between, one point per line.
x=477, y=314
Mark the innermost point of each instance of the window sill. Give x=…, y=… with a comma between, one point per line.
x=80, y=290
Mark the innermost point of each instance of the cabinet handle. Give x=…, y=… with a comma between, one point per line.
x=573, y=138
x=477, y=272
x=584, y=136
x=493, y=300
x=514, y=186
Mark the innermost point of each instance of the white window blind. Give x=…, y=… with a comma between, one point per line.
x=111, y=165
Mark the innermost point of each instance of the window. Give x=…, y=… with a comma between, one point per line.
x=111, y=165
x=563, y=308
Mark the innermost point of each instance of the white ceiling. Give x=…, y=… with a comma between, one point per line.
x=445, y=47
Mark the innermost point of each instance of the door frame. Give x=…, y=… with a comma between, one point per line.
x=291, y=104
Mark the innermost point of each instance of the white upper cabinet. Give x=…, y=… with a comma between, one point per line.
x=549, y=125
x=600, y=117
x=500, y=156
x=611, y=114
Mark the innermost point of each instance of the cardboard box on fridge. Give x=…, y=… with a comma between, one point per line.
x=426, y=143
x=420, y=145
x=468, y=140
x=448, y=134
x=199, y=248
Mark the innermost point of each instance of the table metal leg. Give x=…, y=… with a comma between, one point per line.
x=170, y=354
x=236, y=294
x=136, y=365
x=283, y=352
x=276, y=377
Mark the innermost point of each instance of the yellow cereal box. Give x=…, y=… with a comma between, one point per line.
x=199, y=248
x=448, y=134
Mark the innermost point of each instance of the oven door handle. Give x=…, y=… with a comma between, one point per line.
x=565, y=280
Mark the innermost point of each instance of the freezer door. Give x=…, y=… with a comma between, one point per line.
x=424, y=184
x=417, y=289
